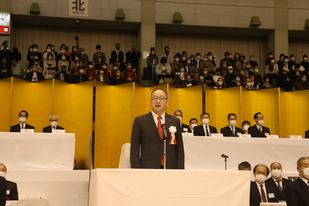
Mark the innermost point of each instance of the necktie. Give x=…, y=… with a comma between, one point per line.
x=263, y=194
x=260, y=129
x=278, y=184
x=160, y=130
x=233, y=130
x=207, y=133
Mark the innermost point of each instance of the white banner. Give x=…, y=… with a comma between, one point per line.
x=78, y=7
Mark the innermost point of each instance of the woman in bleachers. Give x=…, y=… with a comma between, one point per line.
x=15, y=61
x=50, y=66
x=302, y=83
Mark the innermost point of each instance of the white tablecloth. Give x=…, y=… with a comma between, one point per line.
x=204, y=153
x=43, y=151
x=58, y=187
x=28, y=202
x=115, y=187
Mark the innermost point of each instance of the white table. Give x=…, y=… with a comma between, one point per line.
x=204, y=153
x=133, y=187
x=57, y=187
x=42, y=151
x=28, y=202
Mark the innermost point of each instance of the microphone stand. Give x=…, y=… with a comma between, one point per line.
x=225, y=161
x=164, y=153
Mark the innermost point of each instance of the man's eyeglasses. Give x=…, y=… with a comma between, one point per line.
x=158, y=98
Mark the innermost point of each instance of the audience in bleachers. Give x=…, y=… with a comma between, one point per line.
x=181, y=70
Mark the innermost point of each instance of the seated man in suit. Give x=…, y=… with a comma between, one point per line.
x=277, y=181
x=297, y=193
x=53, y=119
x=307, y=134
x=204, y=129
x=244, y=166
x=2, y=191
x=184, y=127
x=11, y=187
x=34, y=75
x=23, y=116
x=193, y=123
x=260, y=191
x=258, y=130
x=231, y=130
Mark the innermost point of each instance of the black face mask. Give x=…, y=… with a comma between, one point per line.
x=117, y=47
x=166, y=52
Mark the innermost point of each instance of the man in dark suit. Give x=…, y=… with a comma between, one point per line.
x=11, y=187
x=53, y=119
x=260, y=191
x=147, y=138
x=231, y=130
x=35, y=75
x=204, y=129
x=23, y=116
x=2, y=191
x=297, y=193
x=258, y=130
x=116, y=55
x=184, y=127
x=307, y=134
x=277, y=181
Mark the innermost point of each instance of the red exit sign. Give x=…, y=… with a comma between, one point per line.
x=4, y=30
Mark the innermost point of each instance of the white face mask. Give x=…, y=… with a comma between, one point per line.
x=81, y=71
x=205, y=72
x=115, y=68
x=63, y=58
x=193, y=125
x=22, y=119
x=238, y=79
x=261, y=122
x=104, y=67
x=260, y=178
x=276, y=174
x=90, y=66
x=201, y=77
x=48, y=50
x=54, y=123
x=62, y=50
x=50, y=58
x=101, y=72
x=179, y=118
x=245, y=127
x=256, y=71
x=2, y=174
x=230, y=71
x=233, y=122
x=306, y=173
x=205, y=121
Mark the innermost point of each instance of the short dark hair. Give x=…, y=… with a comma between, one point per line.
x=244, y=165
x=204, y=114
x=98, y=46
x=159, y=88
x=301, y=159
x=256, y=114
x=254, y=169
x=230, y=114
x=193, y=119
x=23, y=111
x=245, y=122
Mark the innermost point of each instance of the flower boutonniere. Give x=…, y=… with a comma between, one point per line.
x=172, y=130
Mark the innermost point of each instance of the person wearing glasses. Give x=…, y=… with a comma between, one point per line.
x=148, y=136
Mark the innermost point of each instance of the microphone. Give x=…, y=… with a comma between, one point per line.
x=164, y=131
x=224, y=156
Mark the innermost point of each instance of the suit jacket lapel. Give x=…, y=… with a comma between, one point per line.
x=152, y=124
x=303, y=185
